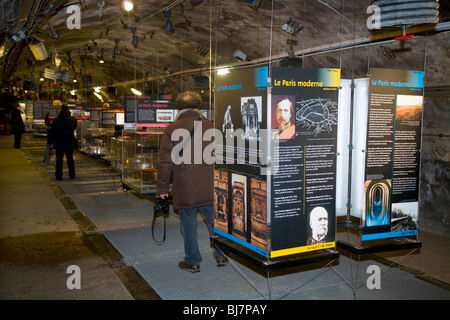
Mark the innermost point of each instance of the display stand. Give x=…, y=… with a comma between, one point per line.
x=140, y=159
x=378, y=208
x=348, y=238
x=114, y=150
x=96, y=140
x=84, y=139
x=268, y=265
x=274, y=192
x=145, y=118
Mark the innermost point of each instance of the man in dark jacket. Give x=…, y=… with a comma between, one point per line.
x=61, y=133
x=193, y=178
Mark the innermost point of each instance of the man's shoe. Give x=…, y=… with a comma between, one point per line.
x=221, y=261
x=189, y=267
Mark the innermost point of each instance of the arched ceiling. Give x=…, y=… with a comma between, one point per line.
x=205, y=37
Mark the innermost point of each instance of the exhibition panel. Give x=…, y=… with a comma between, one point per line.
x=387, y=123
x=276, y=159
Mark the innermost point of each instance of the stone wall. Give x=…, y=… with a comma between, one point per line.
x=434, y=200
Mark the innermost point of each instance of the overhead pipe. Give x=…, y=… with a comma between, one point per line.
x=406, y=12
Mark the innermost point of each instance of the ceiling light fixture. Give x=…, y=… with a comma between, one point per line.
x=136, y=92
x=116, y=47
x=38, y=50
x=3, y=50
x=239, y=56
x=169, y=27
x=56, y=61
x=254, y=4
x=292, y=26
x=101, y=59
x=222, y=71
x=98, y=96
x=135, y=40
x=127, y=5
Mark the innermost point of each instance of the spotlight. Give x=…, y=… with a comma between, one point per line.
x=3, y=50
x=239, y=56
x=254, y=4
x=101, y=59
x=38, y=50
x=136, y=92
x=168, y=28
x=223, y=71
x=116, y=47
x=98, y=96
x=292, y=26
x=135, y=41
x=57, y=61
x=127, y=5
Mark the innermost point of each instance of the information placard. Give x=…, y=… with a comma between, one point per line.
x=146, y=110
x=241, y=156
x=304, y=109
x=391, y=183
x=276, y=159
x=41, y=109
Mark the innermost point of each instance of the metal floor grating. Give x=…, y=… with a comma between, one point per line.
x=125, y=220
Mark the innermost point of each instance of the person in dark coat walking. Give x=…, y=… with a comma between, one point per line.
x=61, y=133
x=17, y=125
x=193, y=177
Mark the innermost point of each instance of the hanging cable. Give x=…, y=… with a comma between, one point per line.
x=270, y=43
x=348, y=20
x=342, y=32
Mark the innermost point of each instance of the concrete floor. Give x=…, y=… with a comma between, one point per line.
x=47, y=226
x=40, y=239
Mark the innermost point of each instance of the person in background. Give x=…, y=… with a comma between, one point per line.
x=50, y=144
x=17, y=125
x=193, y=183
x=61, y=133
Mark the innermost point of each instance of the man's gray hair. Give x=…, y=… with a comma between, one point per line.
x=188, y=100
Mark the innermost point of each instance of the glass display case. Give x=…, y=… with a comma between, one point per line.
x=96, y=141
x=39, y=128
x=113, y=153
x=140, y=158
x=82, y=134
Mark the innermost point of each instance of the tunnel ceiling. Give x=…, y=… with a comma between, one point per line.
x=138, y=52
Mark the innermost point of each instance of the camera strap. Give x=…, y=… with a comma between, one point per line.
x=153, y=228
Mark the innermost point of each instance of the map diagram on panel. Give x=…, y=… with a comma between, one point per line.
x=317, y=115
